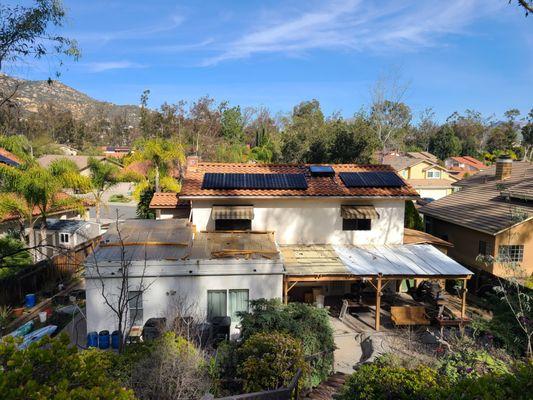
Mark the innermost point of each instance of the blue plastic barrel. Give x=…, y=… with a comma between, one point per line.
x=115, y=339
x=92, y=339
x=31, y=300
x=103, y=340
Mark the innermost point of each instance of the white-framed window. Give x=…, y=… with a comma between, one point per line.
x=135, y=307
x=511, y=253
x=222, y=303
x=433, y=174
x=64, y=238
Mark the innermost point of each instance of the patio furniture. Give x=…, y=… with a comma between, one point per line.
x=134, y=335
x=409, y=315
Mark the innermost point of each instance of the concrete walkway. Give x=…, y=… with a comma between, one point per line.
x=348, y=352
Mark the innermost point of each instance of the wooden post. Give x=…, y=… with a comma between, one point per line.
x=285, y=291
x=463, y=300
x=378, y=303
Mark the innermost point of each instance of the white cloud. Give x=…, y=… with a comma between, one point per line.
x=111, y=65
x=357, y=25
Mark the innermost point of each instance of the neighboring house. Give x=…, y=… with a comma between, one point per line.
x=491, y=216
x=296, y=232
x=68, y=150
x=9, y=158
x=82, y=162
x=464, y=166
x=116, y=151
x=65, y=234
x=422, y=172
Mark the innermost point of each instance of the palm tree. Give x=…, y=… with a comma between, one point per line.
x=103, y=176
x=34, y=192
x=163, y=155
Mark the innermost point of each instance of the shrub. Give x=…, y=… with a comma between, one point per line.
x=143, y=207
x=12, y=256
x=380, y=380
x=54, y=369
x=469, y=363
x=174, y=369
x=270, y=361
x=308, y=324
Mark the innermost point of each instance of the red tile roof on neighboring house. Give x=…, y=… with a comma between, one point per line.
x=10, y=156
x=470, y=161
x=317, y=186
x=167, y=200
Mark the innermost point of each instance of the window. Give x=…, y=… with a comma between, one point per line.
x=485, y=249
x=219, y=306
x=64, y=238
x=135, y=307
x=356, y=224
x=233, y=225
x=216, y=304
x=238, y=302
x=512, y=253
x=433, y=174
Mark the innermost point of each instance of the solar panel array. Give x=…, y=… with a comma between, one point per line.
x=7, y=161
x=321, y=170
x=371, y=179
x=254, y=181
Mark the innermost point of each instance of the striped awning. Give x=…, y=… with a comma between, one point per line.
x=359, y=212
x=233, y=212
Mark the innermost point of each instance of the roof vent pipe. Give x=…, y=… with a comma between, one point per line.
x=504, y=167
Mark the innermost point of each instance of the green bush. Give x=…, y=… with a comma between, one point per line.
x=52, y=369
x=469, y=363
x=381, y=380
x=306, y=323
x=390, y=378
x=270, y=361
x=12, y=256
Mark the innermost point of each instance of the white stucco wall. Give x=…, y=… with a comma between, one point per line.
x=166, y=290
x=434, y=193
x=312, y=221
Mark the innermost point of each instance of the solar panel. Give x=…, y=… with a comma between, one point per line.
x=254, y=181
x=371, y=179
x=321, y=170
x=8, y=161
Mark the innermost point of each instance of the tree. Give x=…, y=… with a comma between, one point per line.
x=119, y=290
x=390, y=117
x=527, y=5
x=527, y=136
x=53, y=369
x=232, y=125
x=25, y=31
x=352, y=142
x=419, y=137
x=445, y=144
x=103, y=177
x=41, y=191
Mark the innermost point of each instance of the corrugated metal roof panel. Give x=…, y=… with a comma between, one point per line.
x=406, y=260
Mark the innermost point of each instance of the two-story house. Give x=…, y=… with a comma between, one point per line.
x=489, y=218
x=294, y=232
x=463, y=166
x=422, y=171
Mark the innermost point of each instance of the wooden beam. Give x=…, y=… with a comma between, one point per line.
x=378, y=303
x=290, y=287
x=463, y=300
x=326, y=278
x=126, y=244
x=285, y=291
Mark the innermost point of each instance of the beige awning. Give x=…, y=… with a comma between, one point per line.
x=359, y=212
x=233, y=212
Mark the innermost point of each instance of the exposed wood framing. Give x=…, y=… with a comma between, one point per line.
x=126, y=244
x=463, y=300
x=378, y=303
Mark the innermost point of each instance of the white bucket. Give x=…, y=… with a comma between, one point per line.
x=42, y=316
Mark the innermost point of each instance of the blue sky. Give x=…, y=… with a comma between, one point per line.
x=453, y=54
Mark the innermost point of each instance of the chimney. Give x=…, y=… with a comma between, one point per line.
x=191, y=164
x=504, y=167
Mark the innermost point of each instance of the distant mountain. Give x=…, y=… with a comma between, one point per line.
x=32, y=95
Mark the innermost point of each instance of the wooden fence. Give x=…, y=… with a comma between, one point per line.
x=45, y=275
x=286, y=393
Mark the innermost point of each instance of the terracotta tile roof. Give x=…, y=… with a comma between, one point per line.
x=167, y=200
x=317, y=186
x=430, y=183
x=469, y=161
x=10, y=156
x=480, y=205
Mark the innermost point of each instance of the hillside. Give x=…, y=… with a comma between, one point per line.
x=32, y=95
